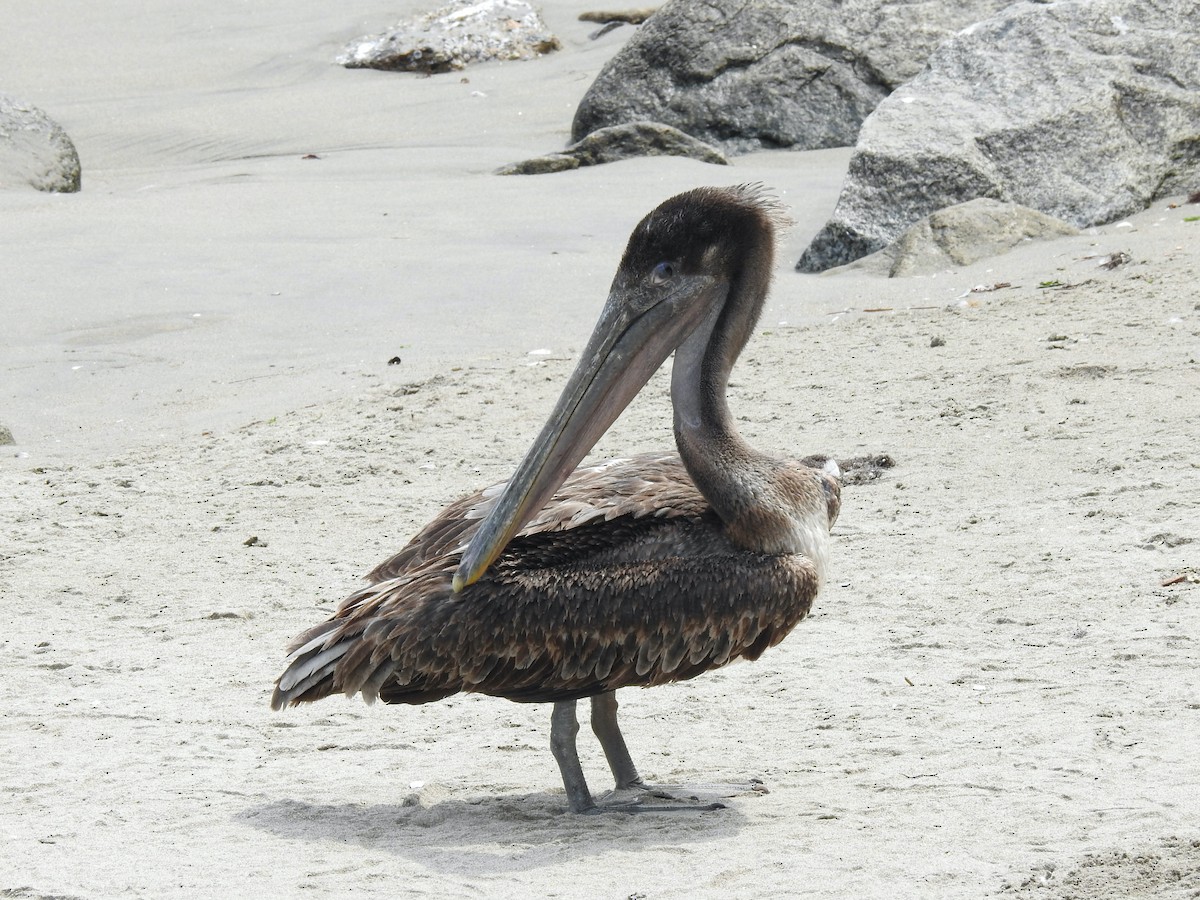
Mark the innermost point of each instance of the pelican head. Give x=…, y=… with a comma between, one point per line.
x=698, y=265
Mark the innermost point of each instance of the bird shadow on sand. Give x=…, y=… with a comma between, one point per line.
x=494, y=834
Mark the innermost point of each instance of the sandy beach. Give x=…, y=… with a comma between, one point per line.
x=998, y=693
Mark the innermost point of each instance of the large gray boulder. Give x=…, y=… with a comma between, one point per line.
x=1086, y=110
x=454, y=36
x=34, y=150
x=746, y=75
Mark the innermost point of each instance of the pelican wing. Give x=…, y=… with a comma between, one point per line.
x=648, y=485
x=624, y=602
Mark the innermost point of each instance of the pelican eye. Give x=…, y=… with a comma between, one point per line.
x=663, y=272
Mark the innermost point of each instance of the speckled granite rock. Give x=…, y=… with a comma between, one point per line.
x=453, y=37
x=34, y=150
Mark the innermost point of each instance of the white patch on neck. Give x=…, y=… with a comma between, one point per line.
x=812, y=540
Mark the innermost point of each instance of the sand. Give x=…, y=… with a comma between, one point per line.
x=996, y=694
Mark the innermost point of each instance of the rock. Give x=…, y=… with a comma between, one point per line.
x=453, y=37
x=854, y=470
x=628, y=16
x=34, y=150
x=1115, y=260
x=619, y=142
x=6, y=436
x=612, y=19
x=763, y=74
x=541, y=165
x=963, y=234
x=1085, y=110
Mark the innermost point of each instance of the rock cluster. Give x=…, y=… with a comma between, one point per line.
x=1086, y=110
x=764, y=74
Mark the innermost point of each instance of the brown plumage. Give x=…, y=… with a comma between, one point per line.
x=546, y=622
x=564, y=584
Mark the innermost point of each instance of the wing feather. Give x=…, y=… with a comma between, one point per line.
x=647, y=485
x=555, y=634
x=626, y=578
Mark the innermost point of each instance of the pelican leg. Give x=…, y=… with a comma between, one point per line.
x=604, y=723
x=631, y=793
x=563, y=729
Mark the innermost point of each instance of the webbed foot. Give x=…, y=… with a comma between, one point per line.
x=642, y=797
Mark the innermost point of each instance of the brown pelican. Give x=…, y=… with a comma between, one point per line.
x=566, y=583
